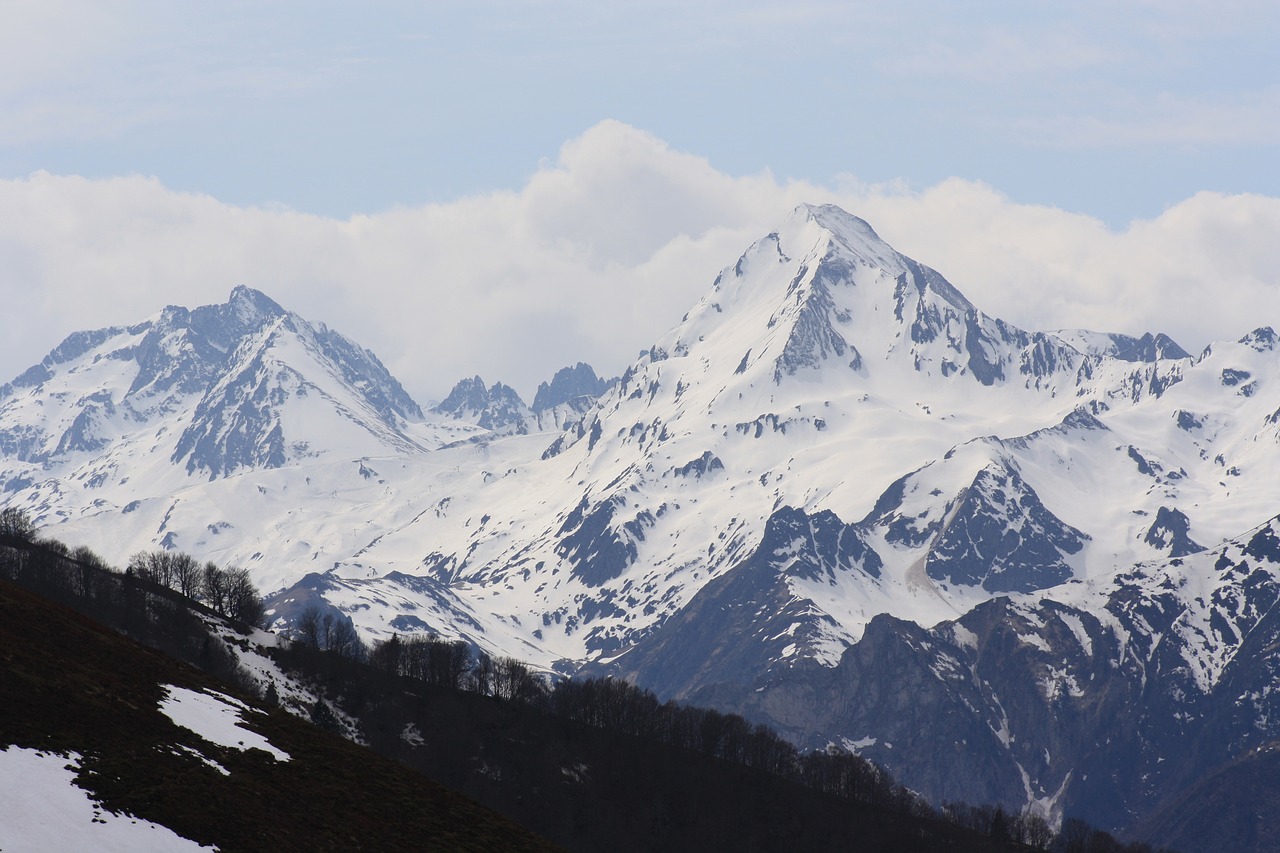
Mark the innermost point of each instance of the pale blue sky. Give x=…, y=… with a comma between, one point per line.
x=509, y=187
x=1115, y=109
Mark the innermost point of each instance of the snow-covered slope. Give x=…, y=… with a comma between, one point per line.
x=44, y=810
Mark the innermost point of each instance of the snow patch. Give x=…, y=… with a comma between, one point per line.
x=42, y=809
x=215, y=717
x=1076, y=624
x=963, y=637
x=859, y=744
x=1036, y=641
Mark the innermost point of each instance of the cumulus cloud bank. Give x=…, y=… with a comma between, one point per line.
x=595, y=256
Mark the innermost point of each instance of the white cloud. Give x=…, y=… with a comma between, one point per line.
x=594, y=257
x=1206, y=269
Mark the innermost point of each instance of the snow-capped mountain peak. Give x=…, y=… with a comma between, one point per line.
x=252, y=306
x=824, y=293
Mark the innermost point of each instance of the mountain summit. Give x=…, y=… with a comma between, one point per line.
x=825, y=292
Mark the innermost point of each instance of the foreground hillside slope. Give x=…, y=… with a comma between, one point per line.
x=93, y=701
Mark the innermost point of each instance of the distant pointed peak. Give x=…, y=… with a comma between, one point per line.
x=1154, y=347
x=851, y=234
x=250, y=302
x=471, y=395
x=837, y=219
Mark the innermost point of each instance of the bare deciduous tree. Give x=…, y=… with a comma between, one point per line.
x=17, y=524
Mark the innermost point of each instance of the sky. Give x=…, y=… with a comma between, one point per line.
x=504, y=188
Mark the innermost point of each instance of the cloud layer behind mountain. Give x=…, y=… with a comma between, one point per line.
x=596, y=255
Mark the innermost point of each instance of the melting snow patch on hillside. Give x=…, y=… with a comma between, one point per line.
x=216, y=718
x=42, y=809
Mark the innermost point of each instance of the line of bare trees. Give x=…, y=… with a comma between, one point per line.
x=993, y=821
x=228, y=591
x=323, y=631
x=16, y=525
x=81, y=573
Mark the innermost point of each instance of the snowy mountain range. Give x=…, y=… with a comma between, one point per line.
x=836, y=496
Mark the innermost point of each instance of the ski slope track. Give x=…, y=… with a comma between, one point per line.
x=832, y=450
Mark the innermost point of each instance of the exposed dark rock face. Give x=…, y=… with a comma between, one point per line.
x=1208, y=816
x=1015, y=699
x=1002, y=537
x=1170, y=532
x=752, y=619
x=598, y=547
x=996, y=533
x=1262, y=339
x=1147, y=348
x=707, y=463
x=813, y=340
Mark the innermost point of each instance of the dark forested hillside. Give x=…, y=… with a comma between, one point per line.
x=71, y=686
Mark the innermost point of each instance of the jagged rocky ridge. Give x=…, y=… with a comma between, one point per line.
x=499, y=408
x=833, y=433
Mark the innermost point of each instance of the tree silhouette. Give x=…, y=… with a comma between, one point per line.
x=16, y=524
